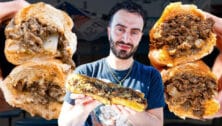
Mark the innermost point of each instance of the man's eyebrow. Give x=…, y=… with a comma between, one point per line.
x=126, y=27
x=121, y=25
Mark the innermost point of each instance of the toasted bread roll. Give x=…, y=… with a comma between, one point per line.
x=190, y=90
x=40, y=31
x=182, y=34
x=37, y=87
x=106, y=93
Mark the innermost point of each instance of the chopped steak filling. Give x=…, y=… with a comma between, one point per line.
x=107, y=90
x=42, y=91
x=184, y=34
x=32, y=34
x=190, y=91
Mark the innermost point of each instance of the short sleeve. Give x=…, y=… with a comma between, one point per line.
x=156, y=91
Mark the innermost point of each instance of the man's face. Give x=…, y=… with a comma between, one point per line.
x=125, y=32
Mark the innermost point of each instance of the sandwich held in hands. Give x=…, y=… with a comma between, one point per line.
x=106, y=93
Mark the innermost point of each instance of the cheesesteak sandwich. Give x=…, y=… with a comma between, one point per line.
x=182, y=34
x=37, y=87
x=106, y=93
x=40, y=31
x=190, y=90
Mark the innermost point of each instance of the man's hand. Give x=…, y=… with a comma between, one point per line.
x=85, y=102
x=76, y=115
x=216, y=69
x=122, y=110
x=10, y=8
x=22, y=4
x=139, y=118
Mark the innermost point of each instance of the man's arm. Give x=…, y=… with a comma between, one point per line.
x=154, y=117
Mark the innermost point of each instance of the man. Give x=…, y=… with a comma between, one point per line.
x=124, y=33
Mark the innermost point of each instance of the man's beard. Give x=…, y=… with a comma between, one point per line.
x=121, y=54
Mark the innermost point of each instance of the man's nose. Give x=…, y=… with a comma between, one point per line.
x=126, y=37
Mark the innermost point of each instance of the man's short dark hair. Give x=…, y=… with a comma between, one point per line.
x=129, y=6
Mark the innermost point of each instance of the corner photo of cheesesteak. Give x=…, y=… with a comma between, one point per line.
x=182, y=34
x=37, y=87
x=40, y=31
x=190, y=90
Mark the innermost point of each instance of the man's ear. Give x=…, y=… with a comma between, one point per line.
x=108, y=32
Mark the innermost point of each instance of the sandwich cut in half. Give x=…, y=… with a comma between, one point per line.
x=40, y=31
x=37, y=87
x=190, y=90
x=182, y=34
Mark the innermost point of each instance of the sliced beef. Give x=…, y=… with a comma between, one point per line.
x=32, y=34
x=184, y=34
x=42, y=91
x=190, y=91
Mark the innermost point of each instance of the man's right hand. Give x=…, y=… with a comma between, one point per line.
x=76, y=115
x=86, y=102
